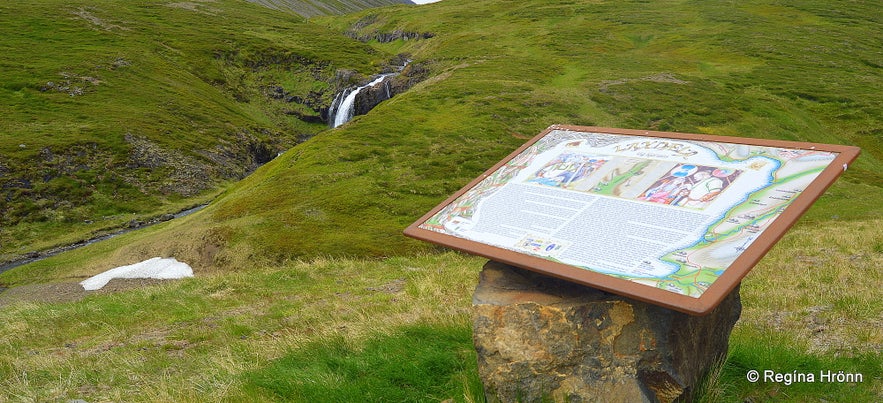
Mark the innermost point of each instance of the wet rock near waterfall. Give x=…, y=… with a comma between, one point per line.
x=370, y=97
x=396, y=84
x=541, y=338
x=359, y=99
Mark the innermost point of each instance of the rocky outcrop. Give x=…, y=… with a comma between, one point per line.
x=386, y=37
x=59, y=180
x=175, y=172
x=360, y=31
x=313, y=101
x=541, y=339
x=369, y=97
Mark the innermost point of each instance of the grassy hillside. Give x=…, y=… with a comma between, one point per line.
x=504, y=72
x=312, y=8
x=116, y=110
x=303, y=276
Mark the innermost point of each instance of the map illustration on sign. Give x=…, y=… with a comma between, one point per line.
x=671, y=213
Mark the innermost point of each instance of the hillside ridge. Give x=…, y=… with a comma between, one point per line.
x=497, y=74
x=120, y=112
x=313, y=8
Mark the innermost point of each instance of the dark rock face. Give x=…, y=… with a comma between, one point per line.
x=314, y=100
x=369, y=97
x=58, y=180
x=539, y=338
x=360, y=31
x=386, y=37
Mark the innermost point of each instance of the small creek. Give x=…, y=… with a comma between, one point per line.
x=37, y=256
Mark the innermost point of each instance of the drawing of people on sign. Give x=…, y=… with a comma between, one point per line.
x=665, y=191
x=690, y=186
x=704, y=189
x=566, y=170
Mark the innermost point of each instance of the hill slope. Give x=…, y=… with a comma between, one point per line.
x=311, y=8
x=275, y=312
x=114, y=111
x=502, y=73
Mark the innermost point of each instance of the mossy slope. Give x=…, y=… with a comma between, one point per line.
x=504, y=71
x=113, y=110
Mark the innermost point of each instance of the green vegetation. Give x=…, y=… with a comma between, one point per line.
x=804, y=377
x=311, y=8
x=441, y=360
x=503, y=73
x=812, y=305
x=265, y=334
x=305, y=258
x=116, y=111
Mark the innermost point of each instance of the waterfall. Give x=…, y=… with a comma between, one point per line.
x=345, y=108
x=344, y=104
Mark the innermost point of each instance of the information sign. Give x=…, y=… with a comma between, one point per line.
x=671, y=219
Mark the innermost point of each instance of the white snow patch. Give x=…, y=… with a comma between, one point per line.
x=159, y=268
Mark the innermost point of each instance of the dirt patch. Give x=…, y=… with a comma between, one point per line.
x=604, y=86
x=68, y=292
x=395, y=287
x=96, y=21
x=58, y=292
x=196, y=6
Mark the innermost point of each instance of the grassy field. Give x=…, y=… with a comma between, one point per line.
x=304, y=282
x=334, y=329
x=285, y=331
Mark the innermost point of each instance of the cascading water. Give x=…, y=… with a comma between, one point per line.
x=344, y=104
x=346, y=108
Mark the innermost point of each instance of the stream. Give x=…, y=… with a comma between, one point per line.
x=37, y=256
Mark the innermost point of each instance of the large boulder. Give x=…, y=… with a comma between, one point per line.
x=539, y=338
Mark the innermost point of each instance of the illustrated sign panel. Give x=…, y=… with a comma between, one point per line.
x=672, y=219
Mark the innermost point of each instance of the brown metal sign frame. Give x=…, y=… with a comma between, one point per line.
x=717, y=290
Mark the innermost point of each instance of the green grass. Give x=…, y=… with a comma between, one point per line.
x=225, y=336
x=804, y=377
x=285, y=257
x=499, y=74
x=81, y=80
x=505, y=73
x=309, y=8
x=416, y=364
x=331, y=329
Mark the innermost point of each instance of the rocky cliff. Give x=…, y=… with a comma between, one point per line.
x=369, y=97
